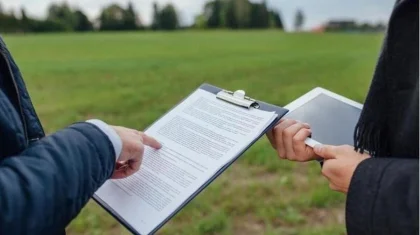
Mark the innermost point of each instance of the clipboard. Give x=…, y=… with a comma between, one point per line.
x=238, y=98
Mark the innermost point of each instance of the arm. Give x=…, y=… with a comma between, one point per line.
x=383, y=197
x=46, y=186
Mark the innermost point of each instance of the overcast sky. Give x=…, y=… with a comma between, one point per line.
x=316, y=11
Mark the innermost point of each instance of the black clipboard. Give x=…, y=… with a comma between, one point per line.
x=237, y=98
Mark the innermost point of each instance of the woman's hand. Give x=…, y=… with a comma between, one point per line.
x=339, y=165
x=288, y=139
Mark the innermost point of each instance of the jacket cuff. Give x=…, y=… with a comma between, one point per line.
x=110, y=133
x=363, y=190
x=99, y=140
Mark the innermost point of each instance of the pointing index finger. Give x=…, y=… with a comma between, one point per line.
x=150, y=141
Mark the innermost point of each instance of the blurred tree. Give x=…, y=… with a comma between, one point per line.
x=9, y=22
x=82, y=22
x=276, y=20
x=238, y=14
x=130, y=18
x=48, y=26
x=243, y=12
x=168, y=18
x=23, y=16
x=213, y=13
x=200, y=22
x=12, y=13
x=235, y=14
x=260, y=16
x=63, y=13
x=230, y=17
x=299, y=20
x=112, y=18
x=155, y=21
x=25, y=22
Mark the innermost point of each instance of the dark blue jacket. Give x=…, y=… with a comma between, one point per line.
x=44, y=180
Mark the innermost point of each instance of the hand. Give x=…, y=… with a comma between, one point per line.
x=288, y=138
x=339, y=165
x=131, y=156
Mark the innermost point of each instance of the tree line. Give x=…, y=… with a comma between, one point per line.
x=238, y=14
x=230, y=14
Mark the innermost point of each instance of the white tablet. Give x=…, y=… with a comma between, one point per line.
x=332, y=117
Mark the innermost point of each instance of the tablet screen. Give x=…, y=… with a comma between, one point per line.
x=332, y=121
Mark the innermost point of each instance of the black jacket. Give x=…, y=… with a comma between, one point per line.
x=44, y=180
x=383, y=197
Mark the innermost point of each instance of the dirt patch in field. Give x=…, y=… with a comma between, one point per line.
x=248, y=224
x=320, y=217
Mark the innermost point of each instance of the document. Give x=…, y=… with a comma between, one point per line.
x=199, y=136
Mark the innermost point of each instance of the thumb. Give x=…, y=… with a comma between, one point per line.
x=325, y=151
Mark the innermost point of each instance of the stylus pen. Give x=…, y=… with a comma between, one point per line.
x=312, y=143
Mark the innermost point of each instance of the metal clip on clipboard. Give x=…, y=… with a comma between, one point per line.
x=238, y=98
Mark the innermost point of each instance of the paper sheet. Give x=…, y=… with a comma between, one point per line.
x=199, y=137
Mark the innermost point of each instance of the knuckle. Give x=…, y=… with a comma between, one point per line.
x=293, y=121
x=287, y=133
x=291, y=157
x=296, y=140
x=142, y=135
x=277, y=129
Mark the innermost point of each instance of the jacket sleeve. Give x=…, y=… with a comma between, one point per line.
x=47, y=185
x=383, y=197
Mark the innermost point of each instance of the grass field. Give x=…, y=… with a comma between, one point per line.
x=131, y=79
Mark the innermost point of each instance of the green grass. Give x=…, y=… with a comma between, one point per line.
x=131, y=79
